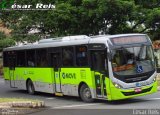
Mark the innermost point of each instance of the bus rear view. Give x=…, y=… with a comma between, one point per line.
x=132, y=65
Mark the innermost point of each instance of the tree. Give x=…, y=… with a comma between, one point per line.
x=5, y=41
x=71, y=17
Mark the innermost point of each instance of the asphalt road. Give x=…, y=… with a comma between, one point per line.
x=67, y=105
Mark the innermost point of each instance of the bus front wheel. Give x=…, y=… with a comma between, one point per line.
x=30, y=87
x=85, y=94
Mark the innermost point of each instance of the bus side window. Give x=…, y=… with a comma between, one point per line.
x=30, y=58
x=98, y=60
x=20, y=58
x=81, y=56
x=41, y=57
x=55, y=60
x=5, y=59
x=67, y=56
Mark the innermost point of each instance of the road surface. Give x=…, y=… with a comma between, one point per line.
x=67, y=105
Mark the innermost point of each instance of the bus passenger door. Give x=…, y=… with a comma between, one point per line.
x=12, y=62
x=100, y=68
x=55, y=60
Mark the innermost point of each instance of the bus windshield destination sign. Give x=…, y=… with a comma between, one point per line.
x=129, y=40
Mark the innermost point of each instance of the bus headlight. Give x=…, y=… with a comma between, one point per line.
x=117, y=85
x=154, y=80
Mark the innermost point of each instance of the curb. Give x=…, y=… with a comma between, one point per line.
x=23, y=104
x=4, y=107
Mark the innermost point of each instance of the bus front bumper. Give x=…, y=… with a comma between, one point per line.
x=118, y=94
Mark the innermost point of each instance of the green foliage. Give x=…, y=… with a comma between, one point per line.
x=32, y=38
x=2, y=35
x=5, y=41
x=71, y=17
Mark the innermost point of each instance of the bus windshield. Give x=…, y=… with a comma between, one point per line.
x=132, y=60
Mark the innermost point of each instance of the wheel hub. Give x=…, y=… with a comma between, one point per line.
x=87, y=93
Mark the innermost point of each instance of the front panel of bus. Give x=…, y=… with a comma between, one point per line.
x=132, y=67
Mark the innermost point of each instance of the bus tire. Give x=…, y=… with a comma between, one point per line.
x=85, y=94
x=30, y=87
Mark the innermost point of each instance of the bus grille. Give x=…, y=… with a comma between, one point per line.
x=134, y=93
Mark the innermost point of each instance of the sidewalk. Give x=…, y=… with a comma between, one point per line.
x=21, y=107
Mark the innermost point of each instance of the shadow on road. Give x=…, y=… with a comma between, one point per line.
x=122, y=102
x=44, y=95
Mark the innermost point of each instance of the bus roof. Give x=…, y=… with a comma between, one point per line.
x=68, y=41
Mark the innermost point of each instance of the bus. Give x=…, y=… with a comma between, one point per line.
x=107, y=67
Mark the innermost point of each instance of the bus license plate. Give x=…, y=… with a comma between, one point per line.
x=138, y=90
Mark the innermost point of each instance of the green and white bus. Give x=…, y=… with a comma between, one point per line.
x=109, y=67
